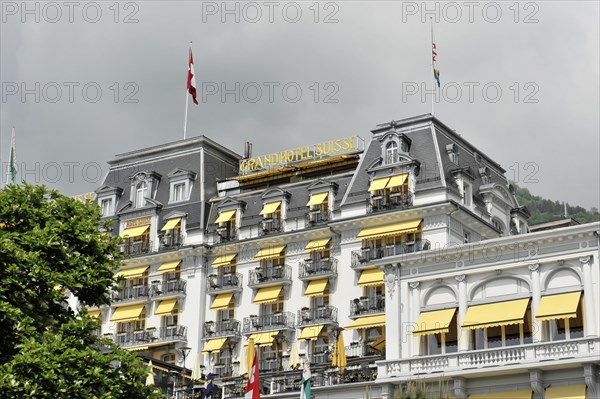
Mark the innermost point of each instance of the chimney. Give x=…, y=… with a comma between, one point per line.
x=247, y=150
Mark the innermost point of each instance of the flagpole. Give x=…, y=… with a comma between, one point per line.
x=187, y=96
x=432, y=71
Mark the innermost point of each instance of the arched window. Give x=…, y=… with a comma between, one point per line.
x=391, y=152
x=141, y=194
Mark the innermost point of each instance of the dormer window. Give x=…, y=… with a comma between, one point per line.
x=227, y=226
x=178, y=192
x=180, y=185
x=141, y=193
x=107, y=197
x=271, y=213
x=391, y=152
x=389, y=193
x=106, y=206
x=318, y=208
x=173, y=233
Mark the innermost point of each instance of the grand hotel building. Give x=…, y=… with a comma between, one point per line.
x=407, y=253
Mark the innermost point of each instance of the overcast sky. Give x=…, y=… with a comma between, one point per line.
x=520, y=82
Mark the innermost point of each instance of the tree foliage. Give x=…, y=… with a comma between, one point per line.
x=50, y=245
x=545, y=210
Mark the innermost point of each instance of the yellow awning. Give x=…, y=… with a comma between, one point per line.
x=397, y=181
x=127, y=313
x=434, y=322
x=390, y=229
x=367, y=322
x=131, y=273
x=225, y=216
x=165, y=307
x=214, y=345
x=566, y=392
x=317, y=245
x=379, y=184
x=379, y=344
x=263, y=338
x=171, y=223
x=169, y=266
x=311, y=332
x=316, y=287
x=560, y=306
x=317, y=199
x=270, y=208
x=137, y=348
x=222, y=301
x=94, y=313
x=495, y=314
x=224, y=260
x=525, y=394
x=370, y=277
x=135, y=231
x=268, y=294
x=270, y=253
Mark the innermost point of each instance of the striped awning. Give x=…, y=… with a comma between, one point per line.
x=222, y=301
x=133, y=232
x=495, y=314
x=317, y=245
x=370, y=277
x=270, y=253
x=127, y=313
x=225, y=216
x=165, y=307
x=435, y=322
x=317, y=199
x=316, y=287
x=131, y=273
x=397, y=181
x=224, y=260
x=268, y=294
x=168, y=267
x=560, y=306
x=566, y=392
x=270, y=208
x=171, y=223
x=367, y=322
x=214, y=345
x=311, y=333
x=379, y=184
x=264, y=337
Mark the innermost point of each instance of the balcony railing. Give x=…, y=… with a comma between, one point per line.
x=317, y=268
x=221, y=328
x=136, y=248
x=270, y=274
x=275, y=321
x=394, y=201
x=169, y=287
x=269, y=226
x=171, y=241
x=366, y=255
x=319, y=358
x=224, y=234
x=316, y=217
x=225, y=282
x=367, y=305
x=131, y=293
x=525, y=356
x=151, y=335
x=361, y=350
x=319, y=315
x=272, y=364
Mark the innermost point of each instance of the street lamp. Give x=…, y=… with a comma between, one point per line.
x=185, y=351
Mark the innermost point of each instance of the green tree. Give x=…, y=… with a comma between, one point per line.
x=50, y=245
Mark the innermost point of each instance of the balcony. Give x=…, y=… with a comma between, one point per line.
x=168, y=288
x=150, y=336
x=172, y=333
x=269, y=226
x=316, y=217
x=275, y=321
x=225, y=283
x=136, y=248
x=225, y=234
x=314, y=269
x=270, y=275
x=223, y=328
x=360, y=350
x=171, y=241
x=320, y=315
x=521, y=356
x=363, y=256
x=394, y=201
x=131, y=293
x=365, y=306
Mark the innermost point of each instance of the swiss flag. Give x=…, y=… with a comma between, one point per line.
x=253, y=386
x=191, y=79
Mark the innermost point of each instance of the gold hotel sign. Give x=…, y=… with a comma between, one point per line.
x=307, y=153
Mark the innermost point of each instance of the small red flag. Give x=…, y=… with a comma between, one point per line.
x=191, y=79
x=253, y=386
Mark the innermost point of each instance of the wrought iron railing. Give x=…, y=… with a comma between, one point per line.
x=321, y=267
x=168, y=287
x=270, y=274
x=393, y=201
x=172, y=333
x=366, y=305
x=318, y=315
x=131, y=293
x=221, y=328
x=224, y=282
x=224, y=234
x=316, y=217
x=171, y=241
x=269, y=226
x=365, y=255
x=274, y=321
x=136, y=247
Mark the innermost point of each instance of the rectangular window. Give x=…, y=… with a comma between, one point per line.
x=179, y=192
x=106, y=206
x=467, y=194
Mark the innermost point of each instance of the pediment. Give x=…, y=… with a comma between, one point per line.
x=181, y=173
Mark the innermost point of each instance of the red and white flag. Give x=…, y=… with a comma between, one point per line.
x=191, y=79
x=253, y=386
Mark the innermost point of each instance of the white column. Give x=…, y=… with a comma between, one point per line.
x=590, y=297
x=393, y=309
x=463, y=337
x=416, y=310
x=536, y=295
